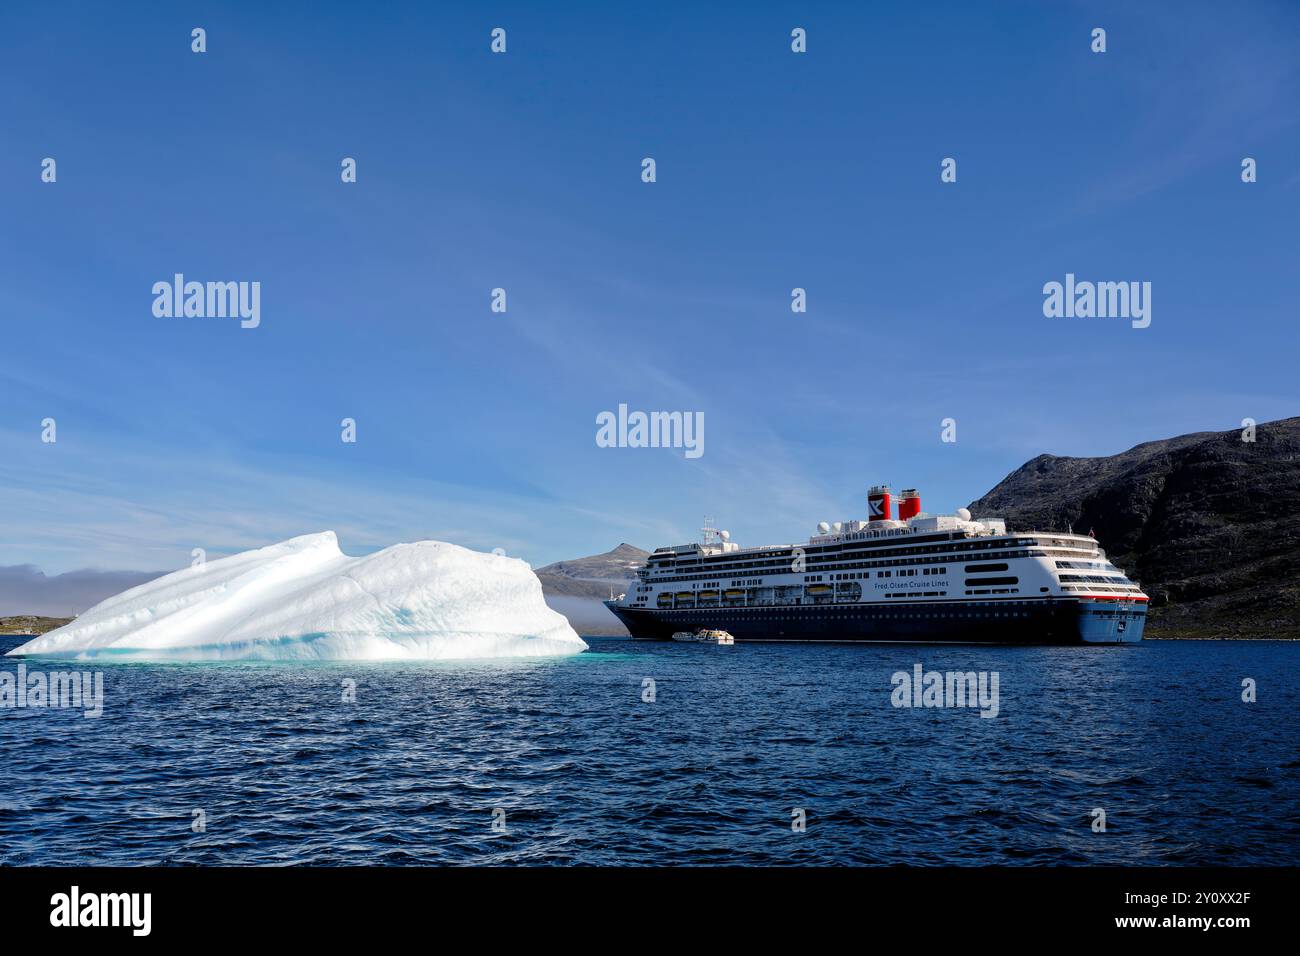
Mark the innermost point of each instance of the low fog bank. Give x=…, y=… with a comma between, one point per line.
x=587, y=616
x=25, y=589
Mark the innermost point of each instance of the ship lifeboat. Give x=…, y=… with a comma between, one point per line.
x=714, y=636
x=819, y=589
x=733, y=594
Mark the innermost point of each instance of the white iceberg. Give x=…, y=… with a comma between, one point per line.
x=304, y=600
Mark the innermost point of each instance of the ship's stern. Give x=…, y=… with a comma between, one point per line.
x=1111, y=621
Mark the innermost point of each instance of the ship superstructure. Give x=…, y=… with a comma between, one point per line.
x=917, y=577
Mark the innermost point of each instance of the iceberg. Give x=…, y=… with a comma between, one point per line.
x=304, y=600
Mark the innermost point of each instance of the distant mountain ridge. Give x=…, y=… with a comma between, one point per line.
x=576, y=587
x=1209, y=524
x=594, y=575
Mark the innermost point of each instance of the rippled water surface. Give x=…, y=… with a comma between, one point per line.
x=586, y=771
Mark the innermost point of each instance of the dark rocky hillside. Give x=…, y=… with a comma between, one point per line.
x=1207, y=523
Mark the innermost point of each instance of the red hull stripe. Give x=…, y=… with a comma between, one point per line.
x=1102, y=597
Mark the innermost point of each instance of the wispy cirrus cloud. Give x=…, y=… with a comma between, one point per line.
x=118, y=504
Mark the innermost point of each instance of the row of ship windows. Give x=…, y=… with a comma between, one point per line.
x=849, y=576
x=911, y=572
x=899, y=573
x=832, y=554
x=784, y=567
x=855, y=576
x=975, y=592
x=892, y=556
x=902, y=573
x=1111, y=583
x=783, y=559
x=1087, y=566
x=1122, y=588
x=893, y=616
x=905, y=594
x=970, y=592
x=840, y=609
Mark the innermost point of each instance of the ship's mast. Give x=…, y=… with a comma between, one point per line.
x=710, y=533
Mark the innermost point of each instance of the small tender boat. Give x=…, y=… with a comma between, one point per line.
x=708, y=635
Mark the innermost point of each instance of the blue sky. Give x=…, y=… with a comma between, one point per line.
x=775, y=170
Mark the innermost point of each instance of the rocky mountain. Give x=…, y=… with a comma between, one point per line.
x=1209, y=524
x=576, y=587
x=593, y=576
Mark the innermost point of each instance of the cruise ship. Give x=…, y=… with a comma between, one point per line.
x=914, y=578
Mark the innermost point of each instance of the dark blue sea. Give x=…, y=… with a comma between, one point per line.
x=574, y=767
